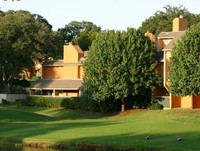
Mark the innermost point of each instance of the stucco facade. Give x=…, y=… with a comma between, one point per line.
x=166, y=41
x=61, y=77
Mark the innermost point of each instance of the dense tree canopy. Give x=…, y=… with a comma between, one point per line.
x=119, y=64
x=184, y=72
x=24, y=37
x=81, y=33
x=162, y=20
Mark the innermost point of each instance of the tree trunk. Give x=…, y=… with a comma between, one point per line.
x=123, y=105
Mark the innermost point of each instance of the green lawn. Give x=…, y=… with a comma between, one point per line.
x=121, y=130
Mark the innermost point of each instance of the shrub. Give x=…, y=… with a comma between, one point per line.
x=43, y=101
x=156, y=106
x=80, y=103
x=4, y=101
x=20, y=101
x=74, y=103
x=69, y=103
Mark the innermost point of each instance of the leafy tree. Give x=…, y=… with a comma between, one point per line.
x=81, y=33
x=119, y=64
x=24, y=37
x=184, y=72
x=195, y=19
x=162, y=20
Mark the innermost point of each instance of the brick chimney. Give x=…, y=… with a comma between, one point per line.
x=180, y=24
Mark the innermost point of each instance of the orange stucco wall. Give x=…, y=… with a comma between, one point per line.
x=52, y=72
x=72, y=72
x=80, y=72
x=196, y=102
x=175, y=101
x=186, y=102
x=70, y=54
x=167, y=56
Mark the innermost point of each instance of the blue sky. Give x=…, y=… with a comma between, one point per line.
x=108, y=14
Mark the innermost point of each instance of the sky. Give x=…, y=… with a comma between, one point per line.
x=108, y=14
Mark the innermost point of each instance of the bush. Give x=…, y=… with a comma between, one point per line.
x=74, y=103
x=70, y=103
x=4, y=101
x=43, y=101
x=156, y=106
x=20, y=101
x=80, y=103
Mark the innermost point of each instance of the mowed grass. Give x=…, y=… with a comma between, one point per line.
x=127, y=130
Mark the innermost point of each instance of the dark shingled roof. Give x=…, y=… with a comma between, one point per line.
x=171, y=34
x=78, y=49
x=64, y=84
x=175, y=36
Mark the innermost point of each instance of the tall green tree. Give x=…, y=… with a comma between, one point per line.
x=24, y=37
x=184, y=72
x=119, y=64
x=81, y=33
x=162, y=20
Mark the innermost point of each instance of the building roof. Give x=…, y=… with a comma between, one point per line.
x=64, y=84
x=170, y=35
x=59, y=63
x=78, y=49
x=174, y=36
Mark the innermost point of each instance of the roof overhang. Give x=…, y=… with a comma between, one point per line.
x=57, y=84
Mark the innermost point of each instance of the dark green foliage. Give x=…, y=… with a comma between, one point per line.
x=74, y=103
x=70, y=103
x=162, y=20
x=20, y=101
x=138, y=101
x=4, y=101
x=184, y=72
x=43, y=101
x=24, y=83
x=156, y=106
x=119, y=64
x=24, y=38
x=86, y=104
x=81, y=33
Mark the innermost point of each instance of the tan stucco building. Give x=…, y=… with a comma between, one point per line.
x=165, y=43
x=61, y=77
x=64, y=77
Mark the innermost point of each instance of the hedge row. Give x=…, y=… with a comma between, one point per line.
x=76, y=103
x=86, y=104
